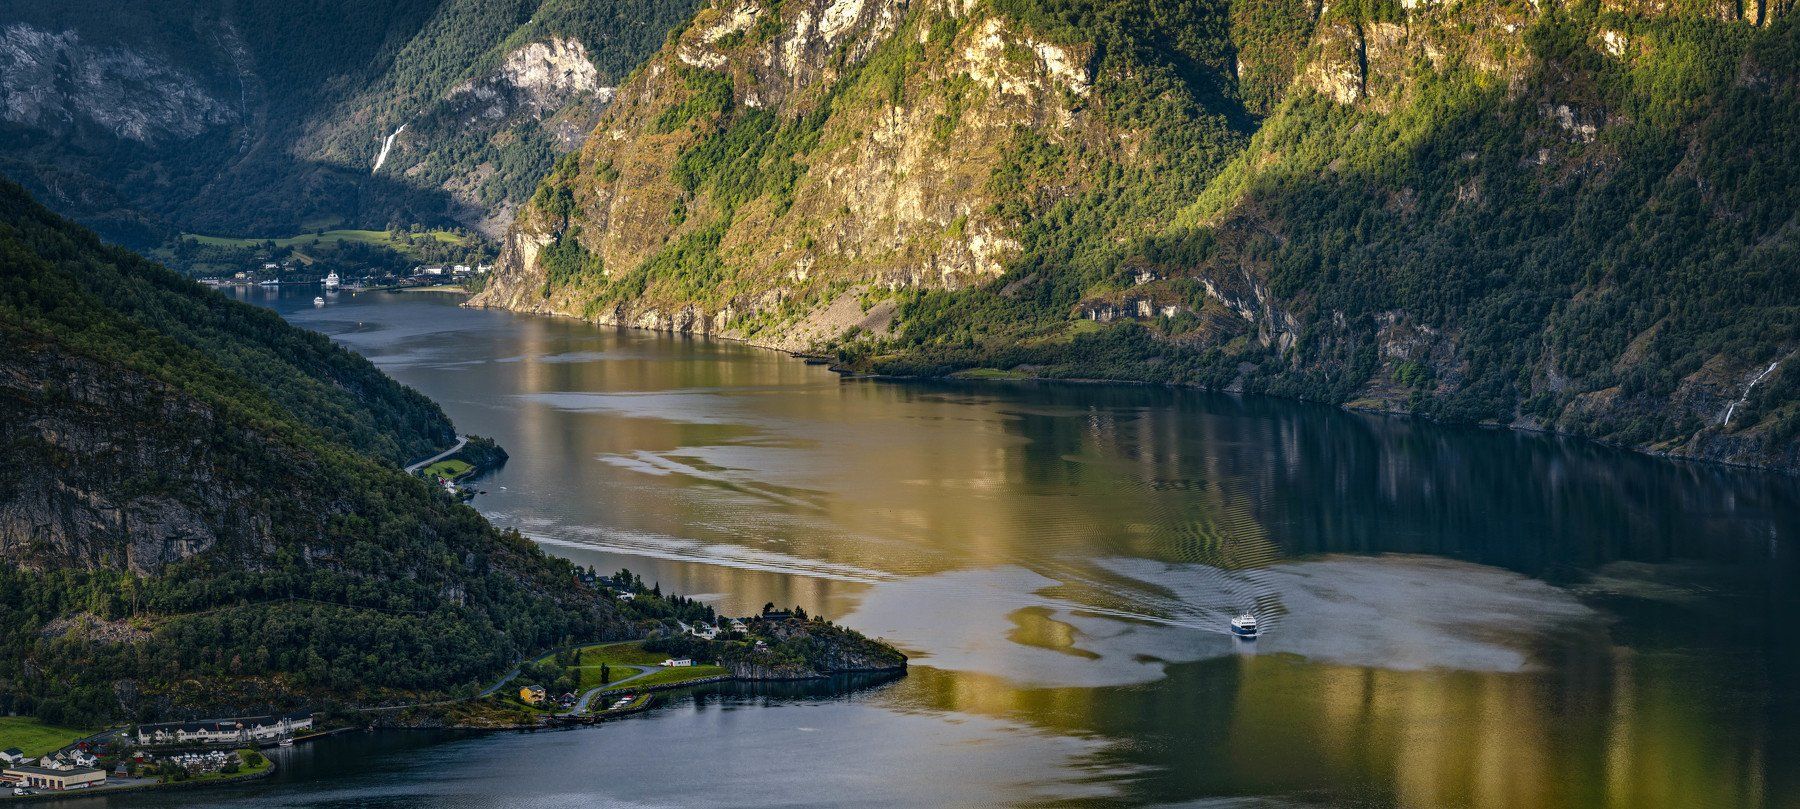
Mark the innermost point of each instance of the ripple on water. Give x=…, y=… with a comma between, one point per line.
x=1391, y=612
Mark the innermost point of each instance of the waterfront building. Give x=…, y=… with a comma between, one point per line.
x=55, y=780
x=532, y=694
x=225, y=731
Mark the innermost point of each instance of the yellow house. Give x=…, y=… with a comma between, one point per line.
x=532, y=694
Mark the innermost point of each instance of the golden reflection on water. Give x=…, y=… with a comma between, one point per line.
x=1406, y=739
x=748, y=477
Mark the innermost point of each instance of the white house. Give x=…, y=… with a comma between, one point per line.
x=678, y=662
x=12, y=755
x=225, y=731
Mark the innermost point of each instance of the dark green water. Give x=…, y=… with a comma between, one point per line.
x=1458, y=617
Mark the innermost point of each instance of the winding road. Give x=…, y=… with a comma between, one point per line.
x=461, y=441
x=581, y=705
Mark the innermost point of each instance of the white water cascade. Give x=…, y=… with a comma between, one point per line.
x=386, y=146
x=1747, y=388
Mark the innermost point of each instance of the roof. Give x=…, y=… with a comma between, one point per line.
x=229, y=724
x=13, y=751
x=24, y=769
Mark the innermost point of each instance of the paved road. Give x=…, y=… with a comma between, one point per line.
x=460, y=441
x=581, y=705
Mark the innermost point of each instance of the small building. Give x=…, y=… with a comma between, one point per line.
x=678, y=662
x=627, y=597
x=55, y=780
x=224, y=731
x=532, y=694
x=12, y=755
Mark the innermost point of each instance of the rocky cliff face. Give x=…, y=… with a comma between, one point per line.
x=777, y=162
x=264, y=118
x=1446, y=208
x=88, y=484
x=56, y=82
x=542, y=100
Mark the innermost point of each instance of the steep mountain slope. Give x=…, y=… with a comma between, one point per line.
x=268, y=118
x=186, y=520
x=1559, y=215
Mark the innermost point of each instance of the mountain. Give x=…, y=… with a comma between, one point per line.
x=201, y=507
x=1560, y=216
x=147, y=117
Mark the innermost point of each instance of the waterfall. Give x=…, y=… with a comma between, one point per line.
x=1747, y=388
x=385, y=146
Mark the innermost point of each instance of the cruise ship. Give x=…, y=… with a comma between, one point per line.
x=331, y=281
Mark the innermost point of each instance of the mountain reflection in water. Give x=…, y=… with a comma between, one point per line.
x=1455, y=616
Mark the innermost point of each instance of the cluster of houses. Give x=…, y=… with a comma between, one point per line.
x=538, y=695
x=195, y=763
x=452, y=270
x=237, y=731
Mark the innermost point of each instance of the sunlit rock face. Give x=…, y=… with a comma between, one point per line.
x=890, y=188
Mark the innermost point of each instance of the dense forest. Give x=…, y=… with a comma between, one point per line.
x=201, y=507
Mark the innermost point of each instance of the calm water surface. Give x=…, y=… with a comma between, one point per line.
x=1457, y=617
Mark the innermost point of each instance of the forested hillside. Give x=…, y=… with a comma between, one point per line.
x=1571, y=215
x=144, y=118
x=201, y=507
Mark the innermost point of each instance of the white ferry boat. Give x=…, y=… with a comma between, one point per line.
x=1245, y=626
x=331, y=281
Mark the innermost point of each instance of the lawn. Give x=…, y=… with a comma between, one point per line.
x=670, y=676
x=363, y=236
x=34, y=737
x=629, y=652
x=452, y=469
x=590, y=675
x=632, y=653
x=990, y=373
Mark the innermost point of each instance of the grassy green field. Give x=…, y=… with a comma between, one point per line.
x=990, y=373
x=629, y=652
x=380, y=237
x=632, y=653
x=451, y=469
x=671, y=676
x=34, y=737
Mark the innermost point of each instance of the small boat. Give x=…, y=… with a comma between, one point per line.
x=287, y=741
x=1244, y=626
x=318, y=301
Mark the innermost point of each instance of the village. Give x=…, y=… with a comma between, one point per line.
x=682, y=645
x=273, y=274
x=154, y=754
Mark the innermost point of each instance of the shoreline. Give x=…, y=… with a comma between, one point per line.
x=148, y=786
x=1347, y=407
